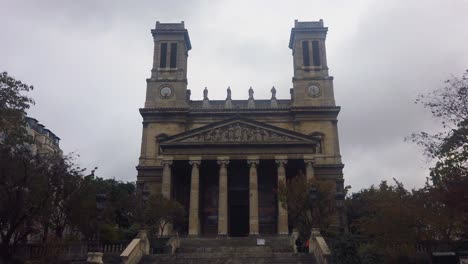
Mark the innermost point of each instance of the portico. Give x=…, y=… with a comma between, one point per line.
x=237, y=211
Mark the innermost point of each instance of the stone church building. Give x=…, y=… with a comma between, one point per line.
x=223, y=159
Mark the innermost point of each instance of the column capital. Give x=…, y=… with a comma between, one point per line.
x=253, y=160
x=223, y=161
x=195, y=160
x=309, y=158
x=281, y=160
x=166, y=161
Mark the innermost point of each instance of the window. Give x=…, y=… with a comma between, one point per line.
x=163, y=54
x=305, y=53
x=316, y=52
x=173, y=55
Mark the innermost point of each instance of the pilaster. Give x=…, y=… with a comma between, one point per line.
x=166, y=177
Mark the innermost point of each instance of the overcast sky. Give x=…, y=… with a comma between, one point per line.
x=89, y=60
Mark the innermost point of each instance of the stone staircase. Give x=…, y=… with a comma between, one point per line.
x=233, y=251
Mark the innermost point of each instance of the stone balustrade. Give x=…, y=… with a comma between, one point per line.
x=137, y=248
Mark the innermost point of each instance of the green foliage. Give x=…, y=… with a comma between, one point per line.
x=160, y=211
x=447, y=189
x=371, y=254
x=44, y=195
x=393, y=220
x=385, y=213
x=13, y=106
x=294, y=194
x=345, y=250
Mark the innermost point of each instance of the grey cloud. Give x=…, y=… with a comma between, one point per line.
x=89, y=61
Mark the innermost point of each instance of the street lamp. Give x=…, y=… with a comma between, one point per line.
x=95, y=254
x=101, y=199
x=313, y=196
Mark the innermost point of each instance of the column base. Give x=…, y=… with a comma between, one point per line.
x=222, y=236
x=254, y=235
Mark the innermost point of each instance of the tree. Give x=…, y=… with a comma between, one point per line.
x=160, y=212
x=449, y=148
x=294, y=195
x=387, y=214
x=13, y=106
x=25, y=191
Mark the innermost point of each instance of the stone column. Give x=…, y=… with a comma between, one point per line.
x=310, y=173
x=194, y=214
x=253, y=196
x=166, y=187
x=282, y=212
x=223, y=197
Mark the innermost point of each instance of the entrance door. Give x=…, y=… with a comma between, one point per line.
x=238, y=198
x=239, y=220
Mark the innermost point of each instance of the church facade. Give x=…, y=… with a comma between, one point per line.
x=223, y=159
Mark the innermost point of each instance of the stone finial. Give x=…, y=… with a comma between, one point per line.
x=206, y=101
x=251, y=93
x=228, y=103
x=273, y=103
x=228, y=93
x=251, y=102
x=205, y=94
x=273, y=93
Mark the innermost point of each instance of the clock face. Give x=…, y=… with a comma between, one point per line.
x=165, y=92
x=313, y=90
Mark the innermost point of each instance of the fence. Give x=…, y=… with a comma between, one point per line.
x=426, y=246
x=67, y=251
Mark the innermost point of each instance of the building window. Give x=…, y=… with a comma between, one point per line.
x=305, y=53
x=163, y=55
x=173, y=55
x=316, y=52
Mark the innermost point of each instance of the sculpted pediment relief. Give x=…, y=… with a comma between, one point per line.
x=239, y=132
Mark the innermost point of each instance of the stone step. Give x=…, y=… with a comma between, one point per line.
x=232, y=250
x=227, y=258
x=223, y=249
x=111, y=258
x=274, y=243
x=233, y=255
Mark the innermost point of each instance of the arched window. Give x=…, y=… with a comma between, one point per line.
x=321, y=137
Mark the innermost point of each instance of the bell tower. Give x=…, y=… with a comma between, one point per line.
x=167, y=87
x=312, y=86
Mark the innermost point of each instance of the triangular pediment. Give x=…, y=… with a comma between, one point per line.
x=239, y=131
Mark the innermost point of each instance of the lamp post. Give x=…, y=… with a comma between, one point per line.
x=312, y=199
x=313, y=196
x=95, y=254
x=101, y=199
x=145, y=195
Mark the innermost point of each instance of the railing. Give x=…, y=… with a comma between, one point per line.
x=319, y=248
x=64, y=251
x=174, y=243
x=137, y=248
